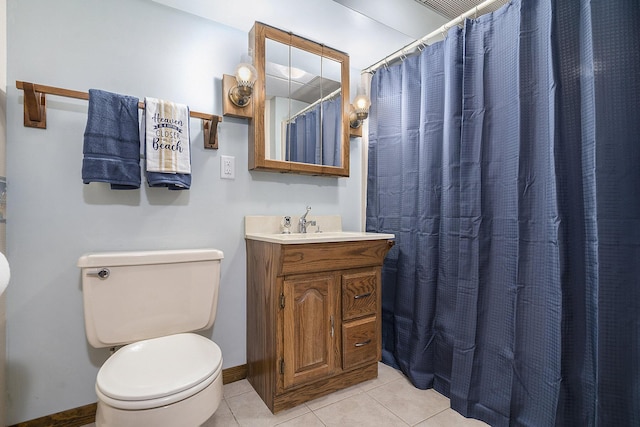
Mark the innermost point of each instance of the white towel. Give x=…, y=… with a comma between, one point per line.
x=167, y=136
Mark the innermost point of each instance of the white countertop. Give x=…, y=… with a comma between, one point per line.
x=270, y=229
x=323, y=237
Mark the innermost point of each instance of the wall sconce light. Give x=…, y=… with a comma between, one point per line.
x=359, y=110
x=246, y=75
x=237, y=91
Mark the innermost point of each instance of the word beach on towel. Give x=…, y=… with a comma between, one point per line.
x=167, y=137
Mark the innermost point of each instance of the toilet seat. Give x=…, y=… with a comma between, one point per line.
x=158, y=371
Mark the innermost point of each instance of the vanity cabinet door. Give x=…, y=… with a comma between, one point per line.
x=311, y=328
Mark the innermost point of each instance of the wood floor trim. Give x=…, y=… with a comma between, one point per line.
x=86, y=414
x=75, y=417
x=233, y=374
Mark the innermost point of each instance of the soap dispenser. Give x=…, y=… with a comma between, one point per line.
x=286, y=226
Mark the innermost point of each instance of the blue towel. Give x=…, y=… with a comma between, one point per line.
x=173, y=181
x=112, y=141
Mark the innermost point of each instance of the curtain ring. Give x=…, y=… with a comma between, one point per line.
x=475, y=14
x=423, y=44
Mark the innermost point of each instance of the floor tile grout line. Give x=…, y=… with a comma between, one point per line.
x=231, y=410
x=302, y=415
x=360, y=391
x=394, y=413
x=387, y=408
x=251, y=390
x=429, y=417
x=348, y=397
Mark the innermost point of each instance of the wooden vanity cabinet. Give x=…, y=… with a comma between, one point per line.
x=313, y=318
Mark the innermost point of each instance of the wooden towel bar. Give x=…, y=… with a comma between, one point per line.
x=35, y=109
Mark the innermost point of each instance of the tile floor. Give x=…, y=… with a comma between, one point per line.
x=387, y=401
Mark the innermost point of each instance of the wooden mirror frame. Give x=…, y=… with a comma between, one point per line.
x=257, y=158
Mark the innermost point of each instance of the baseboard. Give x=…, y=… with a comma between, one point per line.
x=233, y=374
x=75, y=417
x=78, y=417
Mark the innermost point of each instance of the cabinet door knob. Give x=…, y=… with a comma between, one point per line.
x=361, y=344
x=362, y=295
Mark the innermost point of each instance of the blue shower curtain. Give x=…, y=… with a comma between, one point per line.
x=303, y=135
x=331, y=132
x=506, y=159
x=313, y=137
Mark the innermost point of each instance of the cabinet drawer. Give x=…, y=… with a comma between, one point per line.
x=359, y=294
x=359, y=342
x=308, y=258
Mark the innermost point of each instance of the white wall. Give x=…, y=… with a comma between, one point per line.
x=3, y=141
x=139, y=48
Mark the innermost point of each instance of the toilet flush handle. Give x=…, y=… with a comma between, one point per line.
x=102, y=273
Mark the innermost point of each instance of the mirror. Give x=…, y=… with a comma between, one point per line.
x=300, y=117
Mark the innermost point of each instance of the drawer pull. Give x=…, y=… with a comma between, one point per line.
x=362, y=295
x=362, y=344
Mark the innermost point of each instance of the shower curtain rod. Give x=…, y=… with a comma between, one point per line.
x=422, y=41
x=313, y=104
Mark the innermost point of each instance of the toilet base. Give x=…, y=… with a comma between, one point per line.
x=190, y=412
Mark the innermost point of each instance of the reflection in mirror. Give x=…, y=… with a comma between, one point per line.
x=313, y=130
x=304, y=119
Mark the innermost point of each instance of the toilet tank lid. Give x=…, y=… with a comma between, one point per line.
x=105, y=259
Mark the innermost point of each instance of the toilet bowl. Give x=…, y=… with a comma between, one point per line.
x=165, y=375
x=171, y=381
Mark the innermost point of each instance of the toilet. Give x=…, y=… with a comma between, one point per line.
x=150, y=303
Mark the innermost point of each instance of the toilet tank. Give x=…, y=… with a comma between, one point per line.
x=148, y=294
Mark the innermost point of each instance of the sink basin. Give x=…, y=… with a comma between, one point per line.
x=323, y=237
x=269, y=229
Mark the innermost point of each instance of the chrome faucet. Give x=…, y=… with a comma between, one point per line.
x=302, y=224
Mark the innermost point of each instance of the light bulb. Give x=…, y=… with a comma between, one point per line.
x=360, y=108
x=246, y=74
x=361, y=102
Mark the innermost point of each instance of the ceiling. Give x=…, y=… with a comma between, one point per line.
x=368, y=30
x=415, y=19
x=455, y=8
